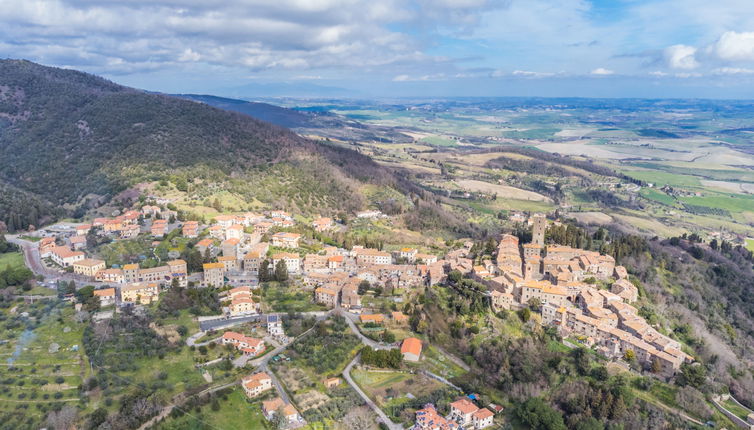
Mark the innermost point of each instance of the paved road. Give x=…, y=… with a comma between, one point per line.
x=229, y=322
x=365, y=340
x=382, y=416
x=33, y=262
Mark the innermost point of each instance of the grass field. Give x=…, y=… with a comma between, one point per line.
x=12, y=259
x=658, y=196
x=736, y=409
x=390, y=388
x=750, y=244
x=235, y=413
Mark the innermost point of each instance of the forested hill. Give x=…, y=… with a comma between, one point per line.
x=66, y=134
x=76, y=140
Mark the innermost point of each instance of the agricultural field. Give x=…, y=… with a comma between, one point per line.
x=231, y=411
x=393, y=387
x=43, y=362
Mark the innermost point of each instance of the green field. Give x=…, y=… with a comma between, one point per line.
x=730, y=202
x=750, y=244
x=658, y=196
x=660, y=178
x=235, y=412
x=12, y=259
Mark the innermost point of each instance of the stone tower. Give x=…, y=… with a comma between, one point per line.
x=538, y=229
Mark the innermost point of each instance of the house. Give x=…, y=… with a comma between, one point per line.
x=462, y=410
x=625, y=290
x=64, y=257
x=274, y=325
x=399, y=317
x=372, y=318
x=246, y=344
x=322, y=224
x=326, y=296
x=292, y=261
x=230, y=247
x=256, y=384
x=214, y=274
x=331, y=382
x=271, y=407
x=262, y=227
x=229, y=262
x=369, y=257
x=427, y=418
x=242, y=305
x=106, y=296
x=88, y=267
x=82, y=230
x=482, y=418
x=205, y=245
x=190, y=229
x=110, y=275
x=411, y=349
x=130, y=231
x=159, y=228
x=77, y=242
x=144, y=293
x=286, y=240
x=46, y=245
x=235, y=231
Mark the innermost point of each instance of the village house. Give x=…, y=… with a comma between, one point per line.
x=292, y=261
x=83, y=230
x=230, y=247
x=271, y=407
x=242, y=306
x=106, y=296
x=143, y=293
x=214, y=274
x=110, y=276
x=256, y=384
x=252, y=261
x=427, y=418
x=205, y=245
x=330, y=383
x=129, y=231
x=235, y=231
x=159, y=228
x=190, y=229
x=262, y=227
x=411, y=349
x=274, y=325
x=247, y=345
x=77, y=242
x=462, y=410
x=625, y=290
x=285, y=240
x=482, y=418
x=368, y=257
x=64, y=257
x=229, y=263
x=88, y=267
x=326, y=296
x=372, y=318
x=322, y=224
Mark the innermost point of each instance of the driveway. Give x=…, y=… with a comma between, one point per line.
x=382, y=416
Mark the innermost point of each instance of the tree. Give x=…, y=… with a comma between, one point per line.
x=524, y=314
x=360, y=418
x=536, y=414
x=264, y=271
x=281, y=421
x=63, y=419
x=629, y=355
x=281, y=271
x=363, y=287
x=693, y=374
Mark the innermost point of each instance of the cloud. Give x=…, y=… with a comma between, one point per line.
x=733, y=71
x=681, y=57
x=531, y=74
x=431, y=77
x=600, y=71
x=733, y=46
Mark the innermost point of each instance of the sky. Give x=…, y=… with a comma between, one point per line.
x=393, y=48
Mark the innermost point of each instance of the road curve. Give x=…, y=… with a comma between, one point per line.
x=382, y=416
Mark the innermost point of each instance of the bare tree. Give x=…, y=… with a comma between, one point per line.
x=64, y=419
x=360, y=418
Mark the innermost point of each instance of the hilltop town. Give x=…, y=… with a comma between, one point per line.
x=582, y=295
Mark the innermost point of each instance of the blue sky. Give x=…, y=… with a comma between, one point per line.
x=372, y=48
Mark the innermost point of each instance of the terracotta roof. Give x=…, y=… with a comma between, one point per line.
x=465, y=406
x=105, y=292
x=483, y=414
x=411, y=345
x=207, y=266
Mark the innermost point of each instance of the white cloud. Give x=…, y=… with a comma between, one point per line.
x=658, y=73
x=600, y=71
x=531, y=74
x=733, y=71
x=733, y=46
x=402, y=78
x=681, y=57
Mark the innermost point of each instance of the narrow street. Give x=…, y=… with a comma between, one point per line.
x=381, y=415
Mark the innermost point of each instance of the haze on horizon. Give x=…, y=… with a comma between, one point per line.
x=365, y=48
